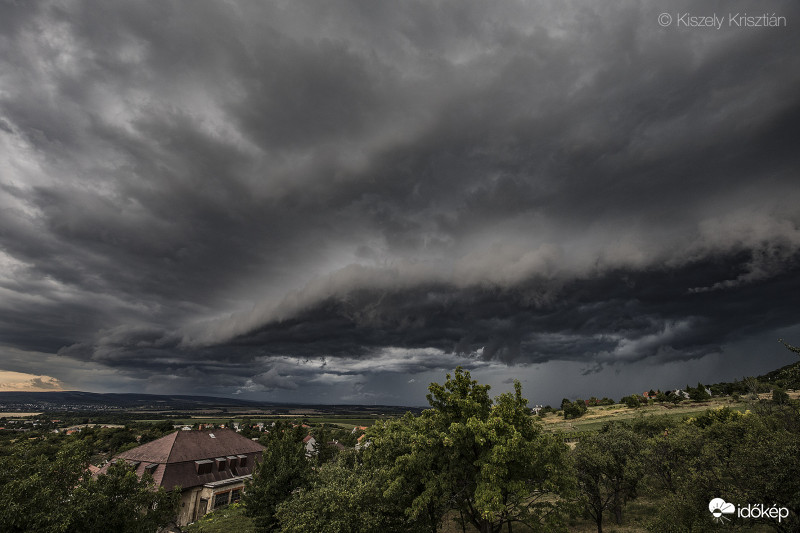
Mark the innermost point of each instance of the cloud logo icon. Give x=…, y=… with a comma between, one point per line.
x=719, y=507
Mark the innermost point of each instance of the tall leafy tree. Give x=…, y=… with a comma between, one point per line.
x=41, y=491
x=396, y=448
x=120, y=501
x=36, y=486
x=608, y=471
x=345, y=496
x=488, y=460
x=745, y=458
x=283, y=469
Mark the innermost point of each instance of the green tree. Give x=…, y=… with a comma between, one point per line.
x=36, y=486
x=489, y=459
x=789, y=347
x=324, y=451
x=283, y=469
x=53, y=492
x=668, y=454
x=397, y=446
x=748, y=458
x=780, y=396
x=698, y=394
x=574, y=409
x=608, y=471
x=122, y=502
x=631, y=401
x=344, y=497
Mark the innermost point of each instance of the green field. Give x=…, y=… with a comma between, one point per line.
x=343, y=421
x=596, y=416
x=592, y=420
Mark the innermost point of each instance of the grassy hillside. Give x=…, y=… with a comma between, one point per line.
x=596, y=416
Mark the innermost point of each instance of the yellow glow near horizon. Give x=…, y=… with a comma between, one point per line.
x=20, y=381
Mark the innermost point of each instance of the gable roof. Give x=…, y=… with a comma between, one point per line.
x=192, y=446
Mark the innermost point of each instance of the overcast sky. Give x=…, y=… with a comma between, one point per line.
x=339, y=202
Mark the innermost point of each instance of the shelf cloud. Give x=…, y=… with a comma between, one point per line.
x=286, y=200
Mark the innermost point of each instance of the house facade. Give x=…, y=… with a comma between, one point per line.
x=210, y=467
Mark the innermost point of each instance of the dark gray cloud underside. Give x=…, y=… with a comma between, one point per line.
x=204, y=191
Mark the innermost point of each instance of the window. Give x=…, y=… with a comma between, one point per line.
x=236, y=495
x=221, y=499
x=204, y=466
x=232, y=459
x=151, y=468
x=220, y=463
x=242, y=460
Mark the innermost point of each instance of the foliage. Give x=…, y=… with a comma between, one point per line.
x=36, y=487
x=42, y=491
x=119, y=501
x=225, y=520
x=344, y=497
x=574, y=409
x=780, y=396
x=789, y=347
x=412, y=477
x=283, y=469
x=324, y=450
x=745, y=457
x=722, y=414
x=608, y=470
x=698, y=394
x=489, y=460
x=633, y=401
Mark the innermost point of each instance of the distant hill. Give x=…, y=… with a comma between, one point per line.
x=94, y=401
x=58, y=400
x=787, y=377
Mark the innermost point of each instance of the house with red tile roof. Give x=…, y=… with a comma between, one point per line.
x=310, y=443
x=210, y=467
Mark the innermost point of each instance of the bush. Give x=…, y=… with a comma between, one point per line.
x=780, y=396
x=574, y=409
x=631, y=401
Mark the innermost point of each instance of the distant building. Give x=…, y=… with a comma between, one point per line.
x=362, y=442
x=678, y=392
x=209, y=466
x=310, y=442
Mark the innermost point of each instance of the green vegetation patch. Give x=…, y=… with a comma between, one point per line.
x=225, y=520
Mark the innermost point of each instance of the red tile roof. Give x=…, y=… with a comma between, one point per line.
x=175, y=455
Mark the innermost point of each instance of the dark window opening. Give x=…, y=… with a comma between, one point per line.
x=221, y=499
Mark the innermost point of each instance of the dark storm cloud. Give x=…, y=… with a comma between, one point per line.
x=228, y=193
